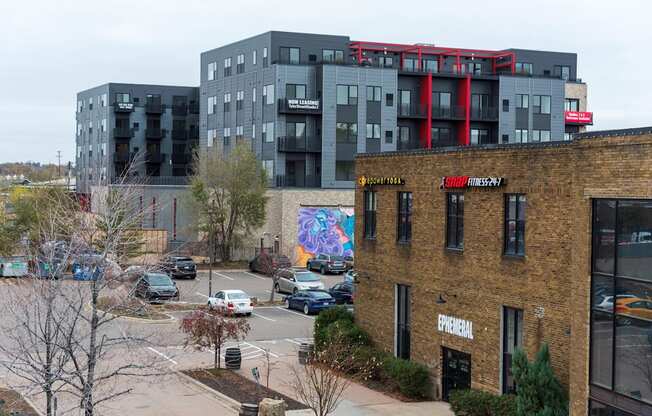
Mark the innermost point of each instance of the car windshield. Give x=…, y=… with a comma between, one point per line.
x=319, y=295
x=237, y=295
x=306, y=277
x=337, y=258
x=159, y=280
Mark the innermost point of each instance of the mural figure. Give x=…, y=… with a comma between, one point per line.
x=324, y=231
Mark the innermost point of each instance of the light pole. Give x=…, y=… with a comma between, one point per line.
x=211, y=250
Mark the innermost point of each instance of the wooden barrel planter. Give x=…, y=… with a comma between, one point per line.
x=248, y=409
x=305, y=351
x=232, y=358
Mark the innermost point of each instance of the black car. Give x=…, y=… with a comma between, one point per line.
x=342, y=292
x=179, y=266
x=156, y=286
x=267, y=263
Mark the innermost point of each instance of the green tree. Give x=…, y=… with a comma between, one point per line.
x=228, y=197
x=538, y=391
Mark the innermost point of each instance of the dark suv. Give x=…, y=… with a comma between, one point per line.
x=327, y=263
x=156, y=286
x=266, y=263
x=179, y=266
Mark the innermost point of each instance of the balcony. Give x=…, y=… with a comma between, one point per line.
x=193, y=107
x=179, y=134
x=292, y=181
x=484, y=114
x=456, y=112
x=154, y=157
x=122, y=133
x=578, y=118
x=411, y=111
x=300, y=144
x=154, y=133
x=193, y=133
x=153, y=107
x=181, y=158
x=123, y=157
x=154, y=180
x=179, y=109
x=299, y=106
x=123, y=107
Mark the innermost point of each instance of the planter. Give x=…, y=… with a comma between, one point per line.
x=305, y=351
x=233, y=358
x=248, y=409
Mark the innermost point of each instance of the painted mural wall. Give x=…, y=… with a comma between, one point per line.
x=324, y=231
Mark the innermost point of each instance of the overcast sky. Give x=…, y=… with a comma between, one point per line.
x=51, y=49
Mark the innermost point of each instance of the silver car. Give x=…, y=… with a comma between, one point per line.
x=293, y=280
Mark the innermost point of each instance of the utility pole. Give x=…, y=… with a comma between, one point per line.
x=59, y=165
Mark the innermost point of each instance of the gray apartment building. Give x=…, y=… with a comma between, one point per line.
x=308, y=103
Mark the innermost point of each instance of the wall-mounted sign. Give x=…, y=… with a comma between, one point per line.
x=455, y=326
x=463, y=182
x=302, y=104
x=578, y=117
x=125, y=106
x=383, y=180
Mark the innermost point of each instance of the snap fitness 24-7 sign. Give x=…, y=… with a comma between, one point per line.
x=383, y=180
x=455, y=326
x=463, y=182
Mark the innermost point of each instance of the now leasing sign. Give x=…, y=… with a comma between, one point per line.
x=455, y=326
x=303, y=104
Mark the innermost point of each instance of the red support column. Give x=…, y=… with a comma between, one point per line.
x=425, y=136
x=464, y=101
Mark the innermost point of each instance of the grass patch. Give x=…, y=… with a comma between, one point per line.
x=131, y=308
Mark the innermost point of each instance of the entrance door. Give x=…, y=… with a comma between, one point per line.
x=403, y=321
x=456, y=374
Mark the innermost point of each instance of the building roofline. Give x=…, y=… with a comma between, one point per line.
x=635, y=131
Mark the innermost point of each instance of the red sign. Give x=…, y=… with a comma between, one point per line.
x=578, y=117
x=462, y=182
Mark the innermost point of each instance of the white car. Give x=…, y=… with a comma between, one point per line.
x=608, y=302
x=236, y=302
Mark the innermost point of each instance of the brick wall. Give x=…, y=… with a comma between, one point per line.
x=559, y=180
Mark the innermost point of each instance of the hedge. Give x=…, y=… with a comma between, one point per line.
x=481, y=403
x=412, y=378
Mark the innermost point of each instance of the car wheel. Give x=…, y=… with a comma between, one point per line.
x=306, y=309
x=277, y=288
x=322, y=270
x=251, y=267
x=248, y=314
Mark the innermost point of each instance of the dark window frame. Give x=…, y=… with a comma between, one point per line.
x=370, y=211
x=518, y=315
x=404, y=217
x=455, y=221
x=518, y=231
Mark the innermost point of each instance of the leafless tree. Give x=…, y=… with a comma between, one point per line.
x=269, y=365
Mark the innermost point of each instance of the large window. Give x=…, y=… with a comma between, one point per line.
x=211, y=70
x=239, y=100
x=621, y=298
x=404, y=101
x=541, y=104
x=227, y=102
x=521, y=135
x=479, y=136
x=540, y=135
x=515, y=224
x=441, y=135
x=409, y=64
x=295, y=91
x=522, y=100
x=404, y=220
x=523, y=68
x=347, y=95
x=346, y=132
x=441, y=104
x=290, y=55
x=429, y=65
x=227, y=67
x=370, y=214
x=373, y=131
x=373, y=93
x=240, y=62
x=571, y=104
x=212, y=102
x=563, y=71
x=268, y=132
x=268, y=94
x=344, y=170
x=294, y=129
x=455, y=220
x=512, y=340
x=330, y=55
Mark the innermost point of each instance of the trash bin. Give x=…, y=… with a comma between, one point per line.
x=232, y=358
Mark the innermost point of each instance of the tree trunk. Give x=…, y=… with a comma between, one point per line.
x=274, y=280
x=218, y=352
x=48, y=401
x=92, y=354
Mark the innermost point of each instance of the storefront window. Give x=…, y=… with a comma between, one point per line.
x=635, y=239
x=512, y=340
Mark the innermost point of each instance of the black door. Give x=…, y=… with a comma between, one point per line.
x=403, y=321
x=456, y=372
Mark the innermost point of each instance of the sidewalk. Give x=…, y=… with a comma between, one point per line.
x=357, y=399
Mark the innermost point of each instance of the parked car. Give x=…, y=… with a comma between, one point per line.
x=266, y=263
x=342, y=292
x=351, y=276
x=327, y=263
x=607, y=302
x=179, y=266
x=348, y=260
x=232, y=301
x=156, y=286
x=636, y=307
x=292, y=280
x=310, y=301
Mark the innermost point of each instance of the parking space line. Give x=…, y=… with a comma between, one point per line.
x=224, y=276
x=256, y=276
x=201, y=294
x=264, y=317
x=292, y=341
x=162, y=355
x=296, y=313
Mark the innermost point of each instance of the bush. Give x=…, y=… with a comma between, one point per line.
x=325, y=319
x=368, y=362
x=346, y=333
x=412, y=379
x=480, y=403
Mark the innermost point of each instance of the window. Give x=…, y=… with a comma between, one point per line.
x=332, y=55
x=521, y=136
x=455, y=220
x=389, y=136
x=227, y=135
x=505, y=106
x=268, y=132
x=389, y=100
x=268, y=166
x=540, y=135
x=523, y=68
x=373, y=131
x=571, y=104
x=474, y=68
x=79, y=129
x=253, y=95
x=211, y=71
x=568, y=136
x=403, y=135
x=90, y=127
x=265, y=58
x=515, y=224
x=90, y=103
x=430, y=65
x=346, y=132
x=441, y=104
x=369, y=215
x=385, y=61
x=290, y=55
x=541, y=104
x=563, y=71
x=253, y=130
x=268, y=94
x=409, y=64
x=296, y=129
x=295, y=91
x=404, y=221
x=103, y=125
x=254, y=56
x=227, y=67
x=240, y=61
x=479, y=136
x=512, y=340
x=373, y=93
x=344, y=170
x=239, y=100
x=347, y=95
x=239, y=132
x=227, y=102
x=80, y=106
x=522, y=100
x=441, y=135
x=122, y=97
x=404, y=101
x=212, y=103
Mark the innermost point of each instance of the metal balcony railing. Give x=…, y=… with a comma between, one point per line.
x=154, y=133
x=123, y=157
x=179, y=134
x=181, y=158
x=193, y=108
x=122, y=133
x=179, y=109
x=411, y=111
x=153, y=107
x=448, y=112
x=292, y=181
x=484, y=114
x=300, y=144
x=154, y=157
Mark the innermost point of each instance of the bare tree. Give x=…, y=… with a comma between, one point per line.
x=269, y=365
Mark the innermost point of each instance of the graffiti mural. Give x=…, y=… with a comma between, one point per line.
x=324, y=231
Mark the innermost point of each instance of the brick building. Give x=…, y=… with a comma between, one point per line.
x=476, y=251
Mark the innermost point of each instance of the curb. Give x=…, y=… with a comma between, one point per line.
x=170, y=318
x=229, y=402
